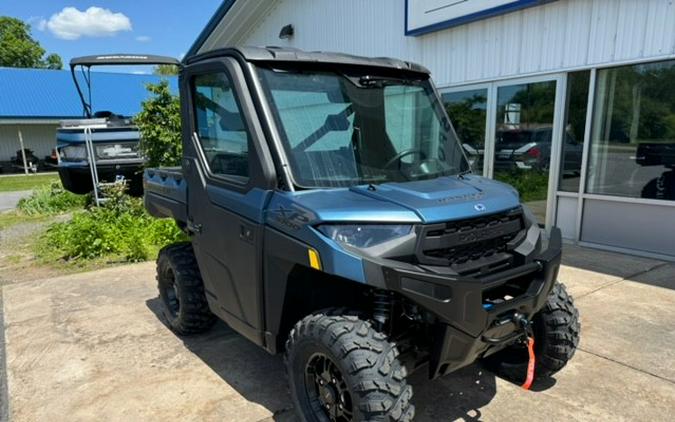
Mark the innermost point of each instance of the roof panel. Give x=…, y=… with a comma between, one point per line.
x=39, y=93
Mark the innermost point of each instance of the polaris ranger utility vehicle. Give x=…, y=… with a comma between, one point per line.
x=332, y=216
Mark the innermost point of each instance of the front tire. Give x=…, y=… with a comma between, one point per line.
x=556, y=337
x=181, y=290
x=341, y=369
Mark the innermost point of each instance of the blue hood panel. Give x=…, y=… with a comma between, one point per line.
x=342, y=205
x=427, y=201
x=446, y=198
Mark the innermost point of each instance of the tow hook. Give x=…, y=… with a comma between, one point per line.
x=526, y=326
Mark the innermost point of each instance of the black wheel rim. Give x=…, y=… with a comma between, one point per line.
x=327, y=389
x=170, y=296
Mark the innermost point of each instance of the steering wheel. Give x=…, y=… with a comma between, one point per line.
x=398, y=157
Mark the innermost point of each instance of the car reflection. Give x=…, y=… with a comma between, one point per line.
x=658, y=154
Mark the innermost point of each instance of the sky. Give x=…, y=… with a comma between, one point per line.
x=74, y=28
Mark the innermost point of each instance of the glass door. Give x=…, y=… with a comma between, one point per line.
x=525, y=140
x=510, y=131
x=468, y=110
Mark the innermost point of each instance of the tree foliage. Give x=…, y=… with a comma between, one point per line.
x=19, y=49
x=165, y=70
x=160, y=125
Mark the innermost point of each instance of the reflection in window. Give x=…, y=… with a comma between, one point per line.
x=222, y=133
x=524, y=131
x=468, y=113
x=633, y=136
x=575, y=124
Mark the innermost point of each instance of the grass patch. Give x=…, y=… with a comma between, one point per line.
x=11, y=218
x=120, y=230
x=51, y=199
x=26, y=182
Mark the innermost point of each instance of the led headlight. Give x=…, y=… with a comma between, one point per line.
x=364, y=235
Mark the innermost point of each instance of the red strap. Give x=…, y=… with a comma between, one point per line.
x=530, y=364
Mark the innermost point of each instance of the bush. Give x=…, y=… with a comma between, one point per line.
x=532, y=185
x=121, y=230
x=51, y=199
x=160, y=125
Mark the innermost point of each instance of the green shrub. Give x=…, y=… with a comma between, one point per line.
x=160, y=125
x=532, y=185
x=120, y=230
x=51, y=199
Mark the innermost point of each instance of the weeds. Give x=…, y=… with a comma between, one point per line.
x=51, y=199
x=120, y=230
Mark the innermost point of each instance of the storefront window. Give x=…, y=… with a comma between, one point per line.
x=573, y=135
x=633, y=136
x=468, y=113
x=523, y=139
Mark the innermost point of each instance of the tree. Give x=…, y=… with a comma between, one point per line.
x=165, y=70
x=19, y=49
x=160, y=125
x=53, y=61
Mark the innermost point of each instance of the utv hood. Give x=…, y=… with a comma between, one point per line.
x=428, y=201
x=446, y=198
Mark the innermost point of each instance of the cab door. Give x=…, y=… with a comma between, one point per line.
x=230, y=178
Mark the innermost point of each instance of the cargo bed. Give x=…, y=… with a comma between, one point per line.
x=166, y=193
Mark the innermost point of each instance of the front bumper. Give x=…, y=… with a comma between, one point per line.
x=470, y=321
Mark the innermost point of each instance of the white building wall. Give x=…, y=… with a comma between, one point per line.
x=41, y=138
x=564, y=34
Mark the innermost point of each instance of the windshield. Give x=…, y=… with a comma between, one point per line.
x=344, y=130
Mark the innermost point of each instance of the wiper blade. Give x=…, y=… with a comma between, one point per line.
x=461, y=174
x=368, y=81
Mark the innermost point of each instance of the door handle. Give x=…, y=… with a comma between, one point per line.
x=246, y=233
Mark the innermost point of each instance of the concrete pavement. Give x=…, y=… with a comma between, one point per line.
x=9, y=200
x=91, y=346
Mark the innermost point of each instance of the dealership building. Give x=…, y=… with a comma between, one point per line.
x=571, y=101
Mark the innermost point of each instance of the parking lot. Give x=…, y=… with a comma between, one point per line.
x=91, y=346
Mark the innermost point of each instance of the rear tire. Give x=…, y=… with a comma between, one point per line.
x=556, y=337
x=181, y=290
x=341, y=369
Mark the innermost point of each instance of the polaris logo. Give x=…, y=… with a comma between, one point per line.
x=479, y=207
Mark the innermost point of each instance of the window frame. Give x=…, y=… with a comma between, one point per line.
x=261, y=167
x=195, y=123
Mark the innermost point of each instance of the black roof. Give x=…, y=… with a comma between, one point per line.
x=284, y=54
x=122, y=59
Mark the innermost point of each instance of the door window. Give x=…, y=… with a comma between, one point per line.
x=222, y=133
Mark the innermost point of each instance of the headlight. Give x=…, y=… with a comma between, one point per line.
x=364, y=235
x=73, y=153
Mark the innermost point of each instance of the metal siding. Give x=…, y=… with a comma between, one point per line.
x=40, y=138
x=554, y=36
x=629, y=225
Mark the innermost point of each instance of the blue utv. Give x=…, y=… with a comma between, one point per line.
x=333, y=217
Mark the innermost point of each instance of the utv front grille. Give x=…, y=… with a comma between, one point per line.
x=479, y=245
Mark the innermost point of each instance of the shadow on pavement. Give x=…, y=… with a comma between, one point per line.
x=259, y=377
x=634, y=268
